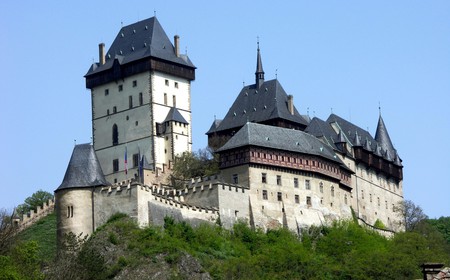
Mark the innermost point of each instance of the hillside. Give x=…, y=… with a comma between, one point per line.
x=122, y=250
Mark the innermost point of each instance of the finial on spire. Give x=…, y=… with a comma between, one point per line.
x=379, y=108
x=276, y=74
x=154, y=12
x=257, y=41
x=307, y=111
x=74, y=142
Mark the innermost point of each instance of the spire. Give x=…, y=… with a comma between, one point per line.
x=383, y=139
x=259, y=74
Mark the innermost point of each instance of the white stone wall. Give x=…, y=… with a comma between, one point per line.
x=135, y=128
x=377, y=197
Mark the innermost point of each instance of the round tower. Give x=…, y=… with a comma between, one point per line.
x=74, y=197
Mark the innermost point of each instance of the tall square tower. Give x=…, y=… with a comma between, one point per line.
x=141, y=110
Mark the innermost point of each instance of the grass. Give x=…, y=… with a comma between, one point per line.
x=44, y=233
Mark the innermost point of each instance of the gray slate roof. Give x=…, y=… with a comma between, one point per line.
x=175, y=115
x=140, y=40
x=84, y=170
x=253, y=134
x=382, y=137
x=323, y=130
x=214, y=126
x=259, y=105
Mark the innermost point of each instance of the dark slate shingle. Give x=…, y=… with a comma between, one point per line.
x=140, y=40
x=84, y=170
x=266, y=103
x=253, y=134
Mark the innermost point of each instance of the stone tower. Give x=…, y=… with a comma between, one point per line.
x=74, y=197
x=141, y=109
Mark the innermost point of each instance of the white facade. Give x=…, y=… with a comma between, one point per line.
x=134, y=105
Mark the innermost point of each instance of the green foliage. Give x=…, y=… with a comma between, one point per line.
x=189, y=165
x=34, y=201
x=24, y=261
x=344, y=250
x=116, y=216
x=44, y=233
x=442, y=225
x=379, y=224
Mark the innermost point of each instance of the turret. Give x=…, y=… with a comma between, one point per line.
x=74, y=197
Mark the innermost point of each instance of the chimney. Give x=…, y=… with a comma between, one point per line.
x=101, y=53
x=291, y=104
x=176, y=40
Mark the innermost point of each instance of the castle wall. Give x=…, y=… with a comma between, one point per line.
x=377, y=197
x=160, y=207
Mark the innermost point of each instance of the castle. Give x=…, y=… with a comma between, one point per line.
x=278, y=168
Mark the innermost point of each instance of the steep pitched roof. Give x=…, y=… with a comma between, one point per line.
x=140, y=40
x=382, y=137
x=381, y=145
x=214, y=126
x=84, y=170
x=175, y=115
x=322, y=130
x=253, y=134
x=259, y=105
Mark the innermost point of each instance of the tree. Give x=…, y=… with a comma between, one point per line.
x=7, y=231
x=190, y=165
x=31, y=203
x=411, y=213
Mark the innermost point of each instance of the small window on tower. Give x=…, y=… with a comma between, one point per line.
x=167, y=82
x=134, y=83
x=115, y=165
x=106, y=92
x=263, y=178
x=307, y=184
x=279, y=180
x=297, y=199
x=176, y=84
x=120, y=87
x=295, y=182
x=264, y=194
x=279, y=196
x=135, y=160
x=130, y=102
x=114, y=109
x=235, y=179
x=174, y=101
x=308, y=201
x=165, y=98
x=141, y=99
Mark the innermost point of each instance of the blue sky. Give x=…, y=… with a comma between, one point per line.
x=341, y=56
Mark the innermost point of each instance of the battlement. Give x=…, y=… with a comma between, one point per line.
x=32, y=217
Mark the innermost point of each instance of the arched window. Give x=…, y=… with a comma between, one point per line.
x=115, y=135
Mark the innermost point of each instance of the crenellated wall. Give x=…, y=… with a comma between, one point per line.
x=33, y=216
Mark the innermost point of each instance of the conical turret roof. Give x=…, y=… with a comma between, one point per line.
x=84, y=170
x=383, y=139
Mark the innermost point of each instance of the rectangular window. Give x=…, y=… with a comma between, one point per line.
x=115, y=165
x=141, y=99
x=106, y=92
x=264, y=194
x=295, y=182
x=308, y=201
x=165, y=98
x=120, y=87
x=279, y=180
x=135, y=160
x=264, y=178
x=297, y=199
x=174, y=100
x=114, y=109
x=307, y=185
x=279, y=196
x=167, y=82
x=176, y=84
x=134, y=83
x=130, y=102
x=235, y=179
